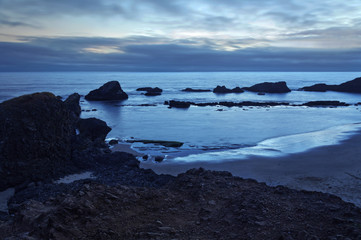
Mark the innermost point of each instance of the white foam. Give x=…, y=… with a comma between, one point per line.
x=74, y=177
x=4, y=197
x=279, y=146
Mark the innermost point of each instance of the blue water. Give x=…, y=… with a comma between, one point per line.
x=204, y=129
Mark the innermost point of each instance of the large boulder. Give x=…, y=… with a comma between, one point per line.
x=353, y=86
x=269, y=87
x=109, y=91
x=93, y=129
x=35, y=138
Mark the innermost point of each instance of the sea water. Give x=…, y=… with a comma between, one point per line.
x=209, y=133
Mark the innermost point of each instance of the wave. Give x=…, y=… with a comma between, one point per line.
x=280, y=146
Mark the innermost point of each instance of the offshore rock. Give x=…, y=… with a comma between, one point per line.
x=223, y=89
x=109, y=91
x=36, y=137
x=353, y=86
x=151, y=91
x=195, y=90
x=269, y=87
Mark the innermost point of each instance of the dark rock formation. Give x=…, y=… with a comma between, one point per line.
x=113, y=142
x=195, y=90
x=229, y=104
x=195, y=205
x=269, y=87
x=151, y=91
x=326, y=104
x=237, y=90
x=109, y=91
x=36, y=137
x=93, y=129
x=174, y=144
x=179, y=104
x=353, y=86
x=72, y=103
x=223, y=89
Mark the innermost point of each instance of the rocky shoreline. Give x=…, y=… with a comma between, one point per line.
x=124, y=201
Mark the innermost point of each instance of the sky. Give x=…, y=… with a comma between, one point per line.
x=180, y=35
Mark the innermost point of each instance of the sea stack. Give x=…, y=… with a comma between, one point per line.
x=109, y=91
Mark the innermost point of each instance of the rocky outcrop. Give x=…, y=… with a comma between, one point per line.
x=353, y=86
x=223, y=90
x=151, y=91
x=195, y=90
x=109, y=91
x=36, y=137
x=269, y=87
x=198, y=204
x=225, y=104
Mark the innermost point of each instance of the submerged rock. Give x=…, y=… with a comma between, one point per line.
x=269, y=87
x=179, y=104
x=109, y=91
x=353, y=86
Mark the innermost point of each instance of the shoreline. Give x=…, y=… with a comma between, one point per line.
x=334, y=169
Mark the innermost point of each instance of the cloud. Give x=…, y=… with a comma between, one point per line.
x=137, y=54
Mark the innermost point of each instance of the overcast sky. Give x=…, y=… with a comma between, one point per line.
x=180, y=35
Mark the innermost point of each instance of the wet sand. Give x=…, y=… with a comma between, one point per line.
x=332, y=169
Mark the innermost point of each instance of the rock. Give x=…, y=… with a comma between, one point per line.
x=222, y=89
x=109, y=91
x=325, y=104
x=93, y=129
x=195, y=90
x=151, y=91
x=237, y=90
x=158, y=158
x=174, y=144
x=353, y=86
x=36, y=137
x=72, y=103
x=179, y=104
x=269, y=87
x=113, y=142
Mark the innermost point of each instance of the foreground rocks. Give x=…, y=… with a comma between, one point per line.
x=353, y=86
x=195, y=205
x=36, y=138
x=109, y=91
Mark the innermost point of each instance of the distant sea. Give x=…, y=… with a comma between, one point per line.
x=209, y=134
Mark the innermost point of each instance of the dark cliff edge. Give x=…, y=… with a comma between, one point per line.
x=39, y=143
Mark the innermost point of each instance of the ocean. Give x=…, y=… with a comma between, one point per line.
x=209, y=133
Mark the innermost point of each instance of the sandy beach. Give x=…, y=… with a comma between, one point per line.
x=334, y=169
